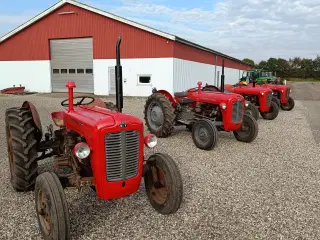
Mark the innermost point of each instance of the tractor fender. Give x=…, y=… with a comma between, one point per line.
x=169, y=96
x=35, y=117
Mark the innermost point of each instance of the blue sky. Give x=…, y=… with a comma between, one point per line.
x=256, y=29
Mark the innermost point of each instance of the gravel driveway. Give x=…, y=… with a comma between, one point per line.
x=266, y=190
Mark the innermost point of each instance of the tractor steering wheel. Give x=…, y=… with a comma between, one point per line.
x=82, y=98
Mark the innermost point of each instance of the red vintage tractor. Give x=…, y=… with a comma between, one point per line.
x=260, y=100
x=92, y=146
x=205, y=112
x=281, y=93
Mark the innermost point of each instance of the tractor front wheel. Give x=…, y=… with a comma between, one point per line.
x=248, y=131
x=21, y=148
x=163, y=183
x=159, y=115
x=272, y=113
x=252, y=110
x=51, y=207
x=288, y=106
x=276, y=100
x=204, y=134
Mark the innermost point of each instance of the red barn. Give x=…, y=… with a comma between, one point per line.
x=74, y=41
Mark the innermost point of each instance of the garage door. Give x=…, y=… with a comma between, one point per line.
x=72, y=60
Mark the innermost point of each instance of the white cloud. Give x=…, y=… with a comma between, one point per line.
x=257, y=29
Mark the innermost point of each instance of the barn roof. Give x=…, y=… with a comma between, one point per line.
x=117, y=18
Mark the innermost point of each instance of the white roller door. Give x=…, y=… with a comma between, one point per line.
x=72, y=60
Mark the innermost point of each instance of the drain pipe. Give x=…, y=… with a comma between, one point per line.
x=215, y=71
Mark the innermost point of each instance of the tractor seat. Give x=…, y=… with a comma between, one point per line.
x=185, y=100
x=180, y=94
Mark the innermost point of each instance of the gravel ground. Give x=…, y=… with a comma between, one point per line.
x=267, y=190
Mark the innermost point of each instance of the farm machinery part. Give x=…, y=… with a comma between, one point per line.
x=203, y=112
x=91, y=146
x=261, y=76
x=260, y=100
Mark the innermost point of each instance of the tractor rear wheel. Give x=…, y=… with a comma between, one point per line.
x=21, y=148
x=288, y=106
x=272, y=113
x=276, y=100
x=204, y=134
x=248, y=131
x=163, y=183
x=51, y=207
x=252, y=110
x=159, y=115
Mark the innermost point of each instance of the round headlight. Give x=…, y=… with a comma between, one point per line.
x=81, y=150
x=150, y=141
x=262, y=93
x=223, y=106
x=247, y=103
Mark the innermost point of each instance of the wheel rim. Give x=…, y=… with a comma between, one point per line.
x=155, y=116
x=9, y=149
x=158, y=186
x=43, y=212
x=202, y=135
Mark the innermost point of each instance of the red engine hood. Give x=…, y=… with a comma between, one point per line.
x=272, y=86
x=93, y=116
x=214, y=96
x=247, y=89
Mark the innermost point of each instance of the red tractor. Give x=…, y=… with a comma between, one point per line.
x=259, y=98
x=92, y=146
x=205, y=112
x=281, y=93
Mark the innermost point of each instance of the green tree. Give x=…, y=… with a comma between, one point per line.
x=249, y=61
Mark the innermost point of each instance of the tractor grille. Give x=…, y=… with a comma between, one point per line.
x=269, y=99
x=122, y=155
x=237, y=108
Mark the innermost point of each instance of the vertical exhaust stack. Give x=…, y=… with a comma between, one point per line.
x=222, y=77
x=119, y=87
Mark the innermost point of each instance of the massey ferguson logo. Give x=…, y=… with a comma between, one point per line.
x=123, y=124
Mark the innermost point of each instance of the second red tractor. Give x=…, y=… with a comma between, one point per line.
x=205, y=112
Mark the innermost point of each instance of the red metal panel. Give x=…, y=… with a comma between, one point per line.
x=32, y=43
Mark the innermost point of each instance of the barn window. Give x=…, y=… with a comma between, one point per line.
x=72, y=71
x=55, y=71
x=64, y=71
x=89, y=71
x=144, y=79
x=80, y=70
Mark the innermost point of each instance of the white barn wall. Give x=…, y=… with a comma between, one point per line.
x=160, y=69
x=33, y=75
x=186, y=74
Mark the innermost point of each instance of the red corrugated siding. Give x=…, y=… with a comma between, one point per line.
x=32, y=43
x=190, y=53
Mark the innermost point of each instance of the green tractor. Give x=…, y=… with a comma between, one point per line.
x=260, y=76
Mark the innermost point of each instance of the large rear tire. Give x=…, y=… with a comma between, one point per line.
x=288, y=106
x=272, y=113
x=159, y=115
x=248, y=131
x=51, y=207
x=21, y=148
x=204, y=134
x=252, y=110
x=163, y=184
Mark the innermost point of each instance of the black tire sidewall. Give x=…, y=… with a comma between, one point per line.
x=253, y=127
x=213, y=133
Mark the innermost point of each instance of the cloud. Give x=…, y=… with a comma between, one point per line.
x=10, y=22
x=257, y=29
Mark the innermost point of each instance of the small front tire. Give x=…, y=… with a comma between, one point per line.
x=204, y=134
x=252, y=110
x=51, y=207
x=288, y=106
x=272, y=113
x=163, y=184
x=248, y=131
x=277, y=101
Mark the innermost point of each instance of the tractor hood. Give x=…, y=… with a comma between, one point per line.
x=90, y=117
x=250, y=90
x=214, y=97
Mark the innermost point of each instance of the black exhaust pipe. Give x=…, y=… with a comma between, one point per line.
x=222, y=77
x=119, y=87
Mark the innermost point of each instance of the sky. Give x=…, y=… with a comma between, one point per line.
x=255, y=29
